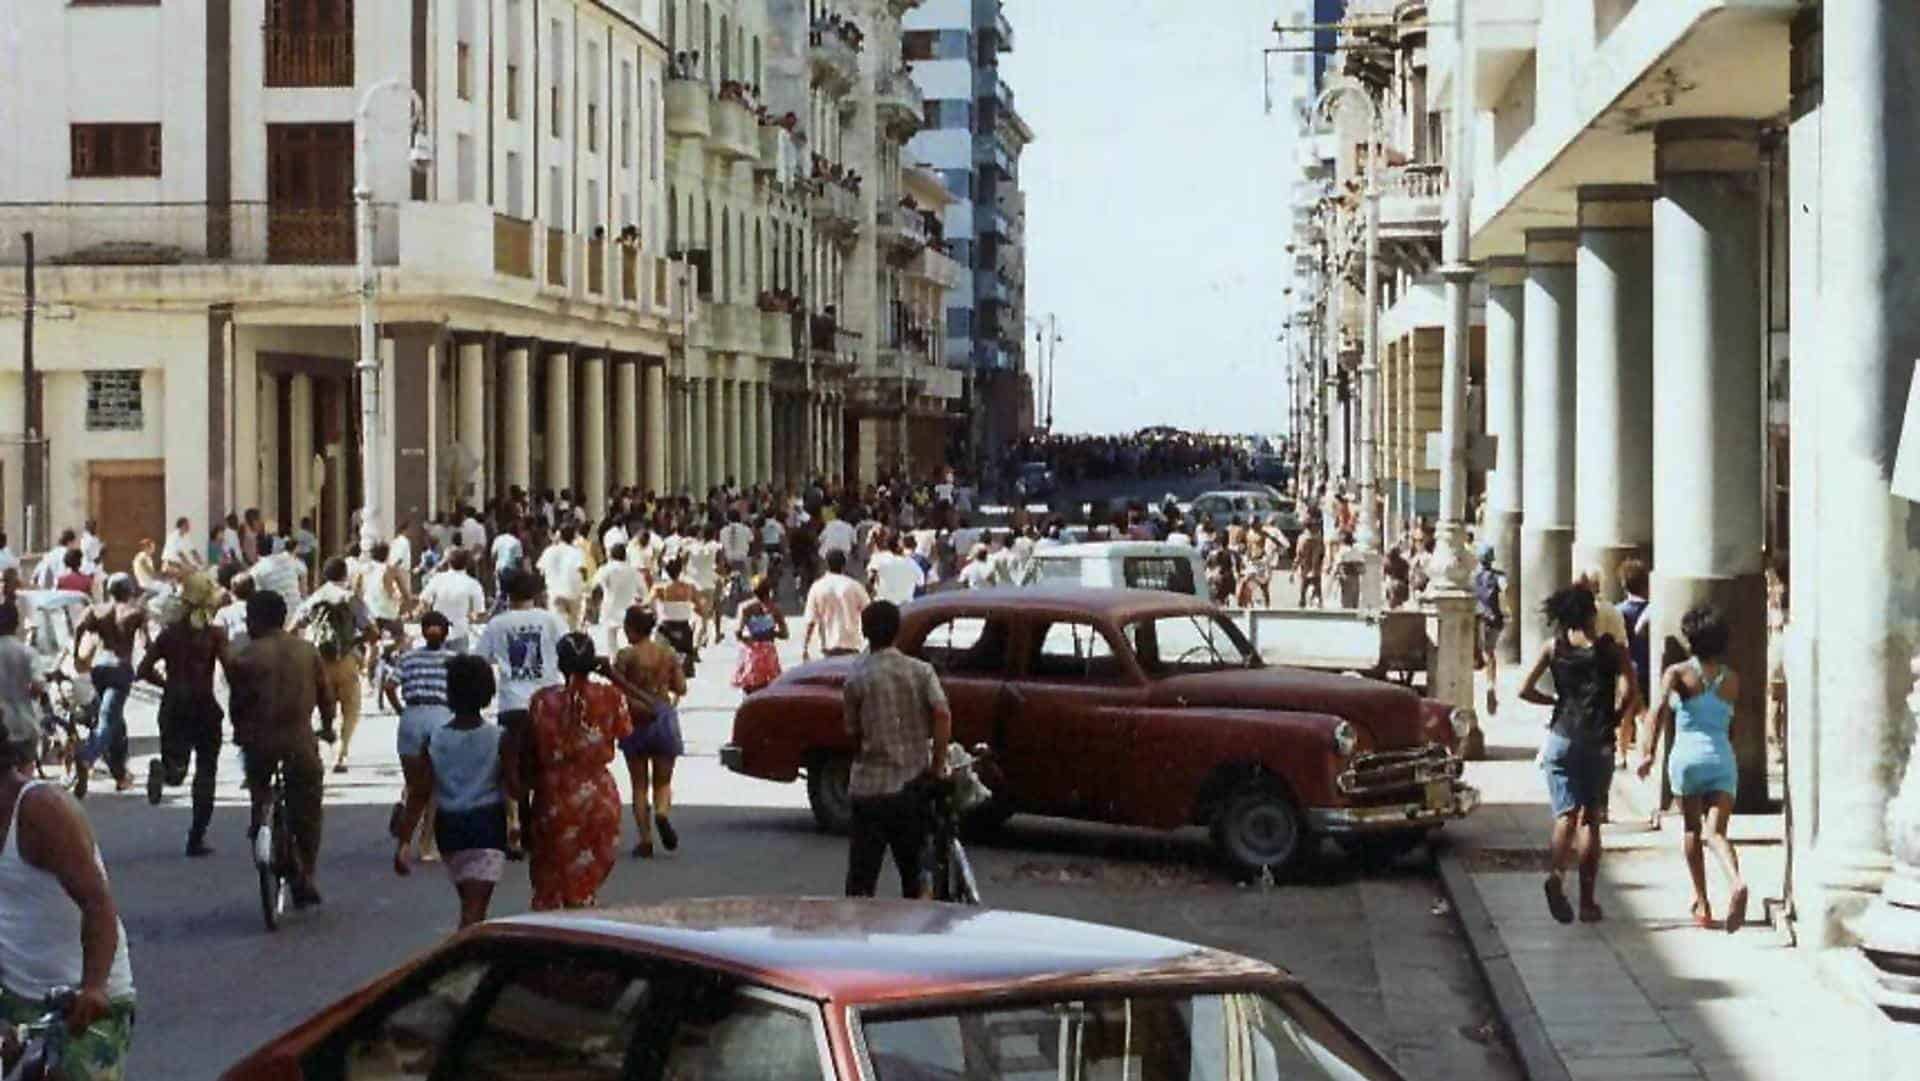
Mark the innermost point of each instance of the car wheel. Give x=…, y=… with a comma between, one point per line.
x=1259, y=829
x=827, y=784
x=1377, y=851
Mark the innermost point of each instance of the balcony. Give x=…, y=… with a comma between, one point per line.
x=556, y=257
x=629, y=274
x=991, y=154
x=736, y=135
x=689, y=113
x=938, y=381
x=302, y=58
x=773, y=153
x=835, y=64
x=901, y=230
x=512, y=247
x=936, y=266
x=830, y=345
x=835, y=210
x=899, y=105
x=597, y=265
x=1413, y=196
x=306, y=235
x=776, y=335
x=990, y=221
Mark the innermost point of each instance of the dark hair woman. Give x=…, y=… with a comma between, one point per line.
x=650, y=674
x=1593, y=688
x=575, y=728
x=1696, y=698
x=460, y=770
x=761, y=623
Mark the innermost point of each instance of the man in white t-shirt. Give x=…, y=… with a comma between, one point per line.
x=180, y=556
x=892, y=575
x=473, y=534
x=523, y=645
x=614, y=536
x=834, y=605
x=836, y=536
x=773, y=538
x=736, y=543
x=456, y=595
x=979, y=572
x=400, y=557
x=565, y=572
x=615, y=587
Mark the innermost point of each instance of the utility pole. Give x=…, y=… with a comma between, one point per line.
x=32, y=469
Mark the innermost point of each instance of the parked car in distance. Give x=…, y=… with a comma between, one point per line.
x=1142, y=708
x=1035, y=480
x=1268, y=469
x=787, y=989
x=1176, y=568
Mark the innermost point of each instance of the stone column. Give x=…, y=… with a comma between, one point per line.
x=730, y=429
x=656, y=402
x=516, y=418
x=626, y=422
x=470, y=426
x=699, y=424
x=1707, y=440
x=763, y=402
x=716, y=433
x=593, y=435
x=1547, y=390
x=559, y=441
x=300, y=449
x=1613, y=455
x=1506, y=320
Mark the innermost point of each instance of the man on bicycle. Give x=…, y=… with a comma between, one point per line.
x=897, y=715
x=59, y=927
x=278, y=681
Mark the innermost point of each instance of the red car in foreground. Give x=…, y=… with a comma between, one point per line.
x=1142, y=708
x=777, y=989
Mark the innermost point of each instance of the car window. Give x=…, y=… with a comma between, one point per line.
x=967, y=645
x=1200, y=642
x=757, y=1039
x=1058, y=570
x=571, y=1016
x=1076, y=651
x=1159, y=572
x=404, y=1035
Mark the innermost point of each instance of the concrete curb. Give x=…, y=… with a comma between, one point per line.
x=1526, y=1035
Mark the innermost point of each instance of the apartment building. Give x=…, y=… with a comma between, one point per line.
x=973, y=139
x=194, y=234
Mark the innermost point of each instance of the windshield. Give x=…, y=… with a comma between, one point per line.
x=1175, y=1037
x=1196, y=642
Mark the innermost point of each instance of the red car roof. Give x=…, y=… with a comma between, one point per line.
x=853, y=952
x=1122, y=605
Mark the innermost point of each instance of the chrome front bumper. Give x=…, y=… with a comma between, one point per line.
x=1459, y=802
x=732, y=757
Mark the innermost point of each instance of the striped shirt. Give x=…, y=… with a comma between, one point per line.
x=422, y=675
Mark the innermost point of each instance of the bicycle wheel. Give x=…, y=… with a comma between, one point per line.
x=962, y=888
x=275, y=846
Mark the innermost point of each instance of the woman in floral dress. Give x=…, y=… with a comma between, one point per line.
x=575, y=728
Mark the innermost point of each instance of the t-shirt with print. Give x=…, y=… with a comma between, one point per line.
x=523, y=645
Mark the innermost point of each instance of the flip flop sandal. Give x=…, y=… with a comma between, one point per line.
x=1737, y=910
x=1591, y=914
x=1557, y=901
x=1702, y=915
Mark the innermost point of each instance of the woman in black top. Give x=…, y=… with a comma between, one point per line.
x=1593, y=689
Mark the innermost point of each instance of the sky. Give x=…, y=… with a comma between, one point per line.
x=1156, y=208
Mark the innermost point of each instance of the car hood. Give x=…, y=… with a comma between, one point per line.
x=1390, y=715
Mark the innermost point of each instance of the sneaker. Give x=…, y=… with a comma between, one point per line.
x=156, y=783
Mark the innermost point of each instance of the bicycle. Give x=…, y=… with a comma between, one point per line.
x=69, y=712
x=273, y=855
x=946, y=873
x=33, y=1051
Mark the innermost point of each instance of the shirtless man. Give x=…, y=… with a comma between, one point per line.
x=181, y=663
x=118, y=622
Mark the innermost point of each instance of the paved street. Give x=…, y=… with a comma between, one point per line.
x=213, y=984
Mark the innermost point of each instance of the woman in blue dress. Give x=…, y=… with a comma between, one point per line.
x=1696, y=698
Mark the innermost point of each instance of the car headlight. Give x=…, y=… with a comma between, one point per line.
x=1462, y=720
x=1345, y=739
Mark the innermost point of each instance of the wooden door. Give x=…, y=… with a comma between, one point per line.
x=310, y=193
x=128, y=503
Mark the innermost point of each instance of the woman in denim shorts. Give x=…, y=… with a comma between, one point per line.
x=1593, y=687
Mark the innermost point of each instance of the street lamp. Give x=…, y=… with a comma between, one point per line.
x=419, y=157
x=1367, y=537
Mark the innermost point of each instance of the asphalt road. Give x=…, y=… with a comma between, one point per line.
x=213, y=984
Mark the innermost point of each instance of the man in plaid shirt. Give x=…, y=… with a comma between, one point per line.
x=897, y=715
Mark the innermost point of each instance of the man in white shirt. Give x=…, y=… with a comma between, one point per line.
x=773, y=537
x=565, y=571
x=53, y=562
x=979, y=572
x=893, y=575
x=736, y=543
x=615, y=587
x=400, y=557
x=91, y=549
x=473, y=535
x=615, y=536
x=8, y=561
x=836, y=536
x=180, y=557
x=523, y=644
x=455, y=594
x=834, y=605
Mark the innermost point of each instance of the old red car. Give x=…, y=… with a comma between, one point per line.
x=779, y=989
x=1141, y=708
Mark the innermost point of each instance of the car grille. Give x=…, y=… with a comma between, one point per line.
x=1387, y=773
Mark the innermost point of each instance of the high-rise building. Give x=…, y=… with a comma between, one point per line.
x=973, y=140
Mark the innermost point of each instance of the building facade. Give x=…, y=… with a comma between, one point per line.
x=602, y=264
x=973, y=140
x=1698, y=351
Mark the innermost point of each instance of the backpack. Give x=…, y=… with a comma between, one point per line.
x=331, y=630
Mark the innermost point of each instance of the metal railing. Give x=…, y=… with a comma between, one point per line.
x=512, y=246
x=309, y=57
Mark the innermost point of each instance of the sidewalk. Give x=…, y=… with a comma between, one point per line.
x=1645, y=994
